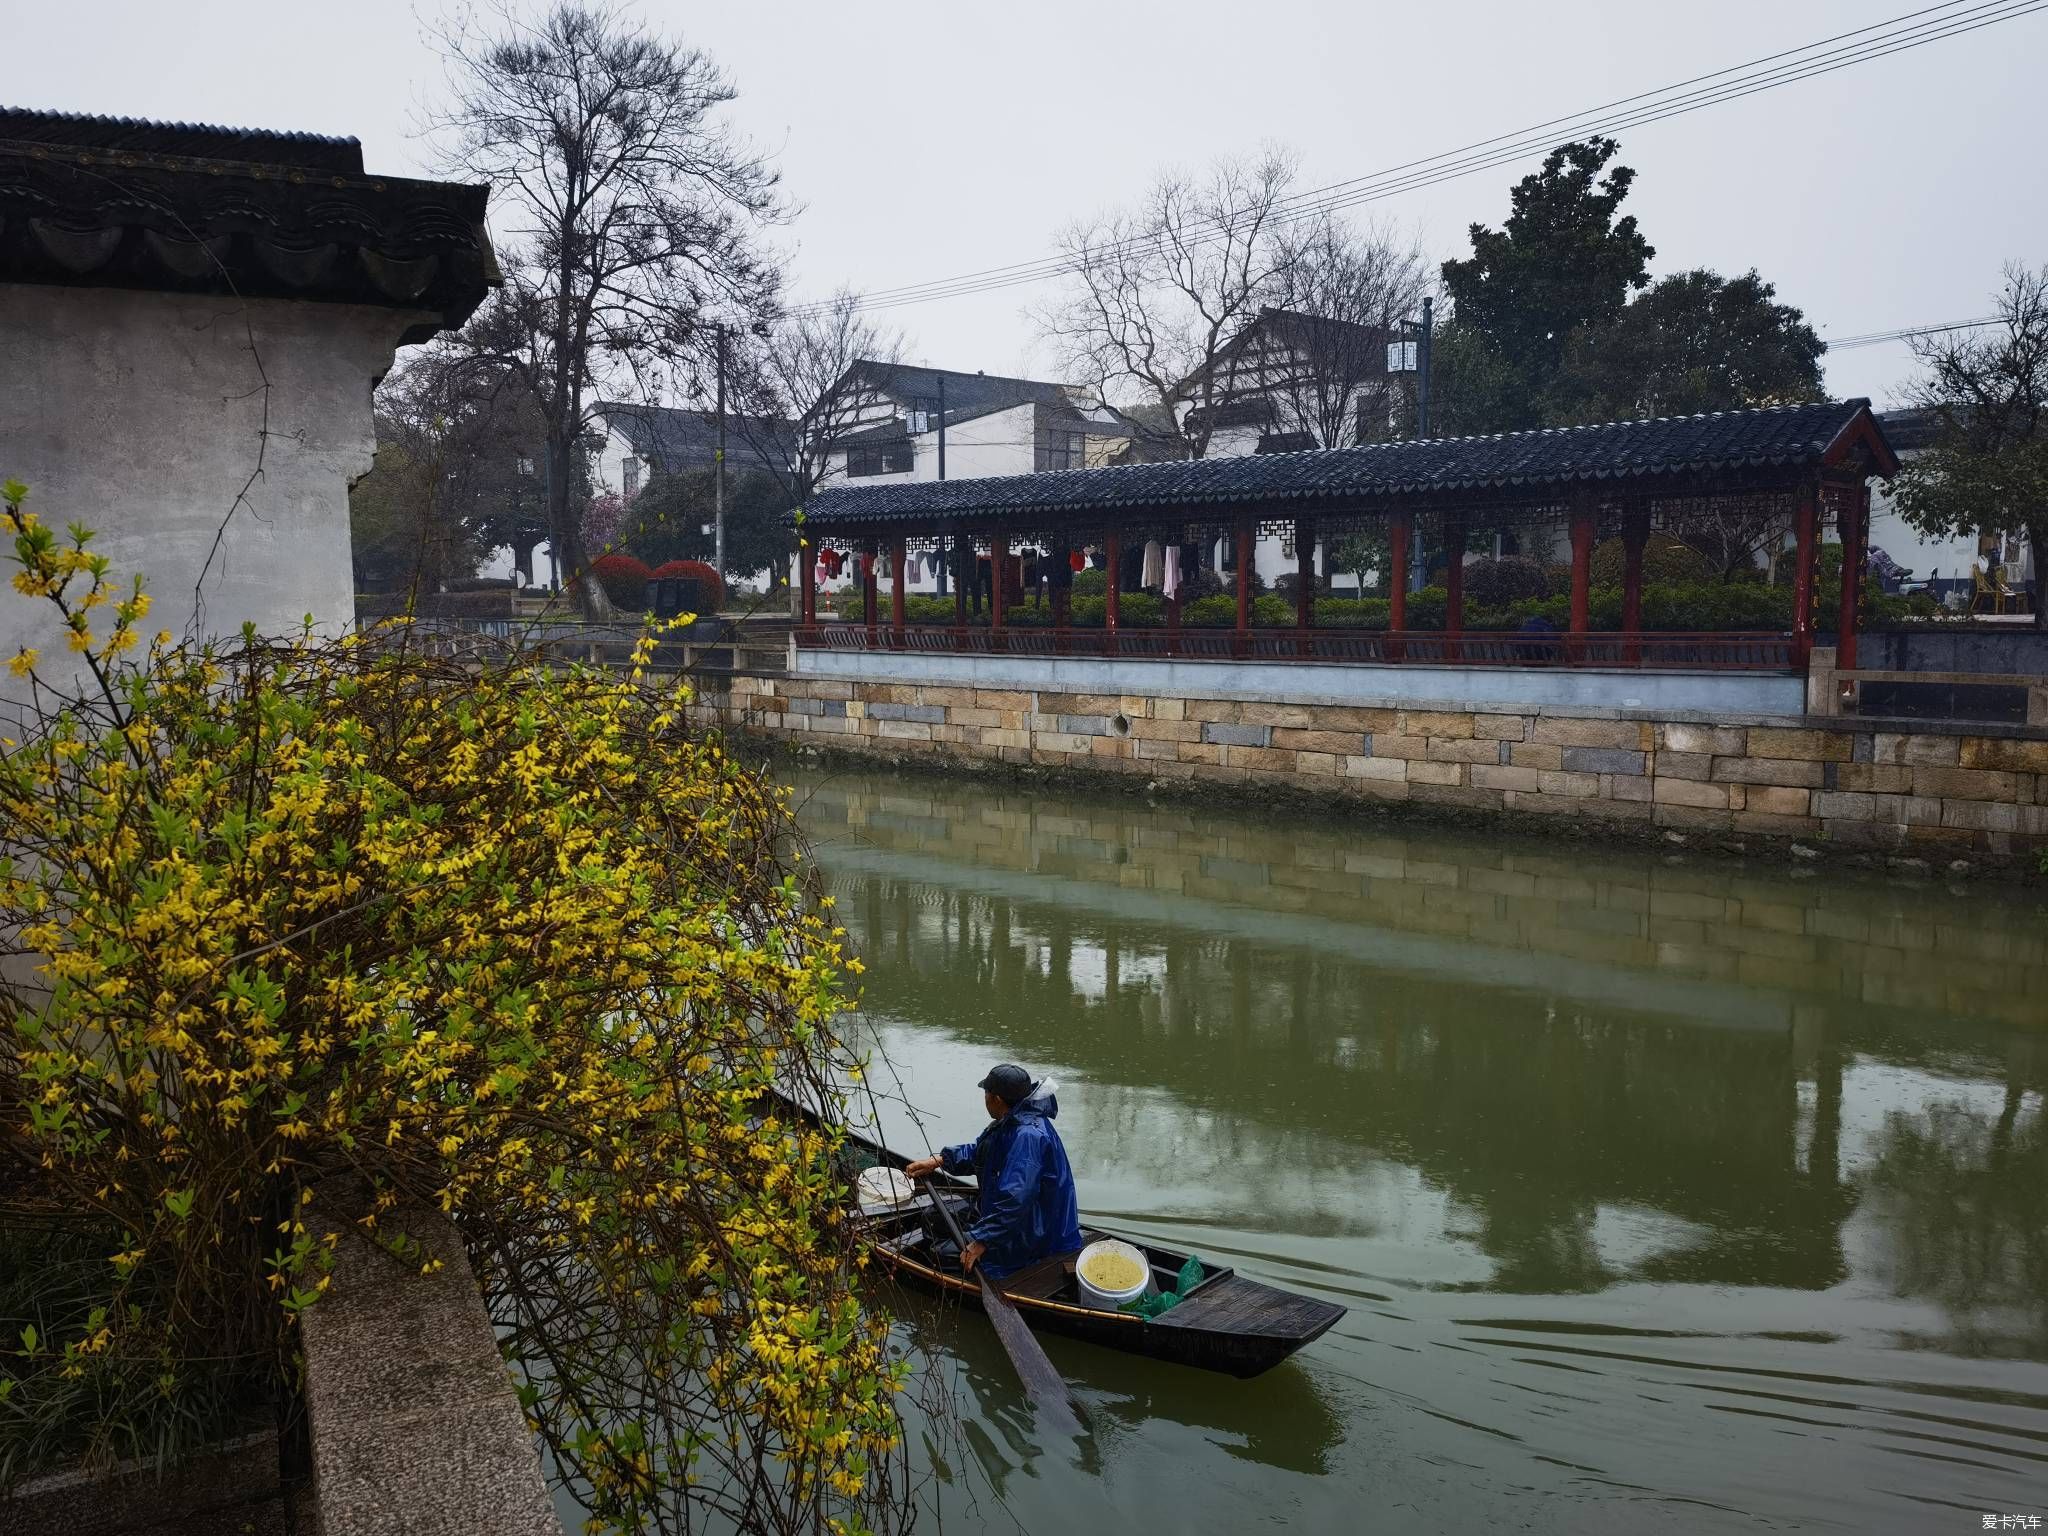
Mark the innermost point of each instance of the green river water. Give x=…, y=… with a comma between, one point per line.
x=1664, y=1194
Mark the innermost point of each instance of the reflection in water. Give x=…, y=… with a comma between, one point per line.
x=1644, y=1184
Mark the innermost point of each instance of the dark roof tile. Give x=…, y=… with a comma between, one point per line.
x=1778, y=437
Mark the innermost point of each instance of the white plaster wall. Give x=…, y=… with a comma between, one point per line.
x=142, y=415
x=1000, y=443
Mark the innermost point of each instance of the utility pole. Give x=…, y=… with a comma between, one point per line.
x=718, y=537
x=954, y=545
x=1422, y=369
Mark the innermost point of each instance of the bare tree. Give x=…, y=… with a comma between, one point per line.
x=1342, y=294
x=1987, y=469
x=803, y=387
x=635, y=214
x=1156, y=292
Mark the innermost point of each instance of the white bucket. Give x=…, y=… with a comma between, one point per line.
x=1093, y=1295
x=882, y=1190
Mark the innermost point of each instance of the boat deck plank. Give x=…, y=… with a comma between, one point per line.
x=1244, y=1306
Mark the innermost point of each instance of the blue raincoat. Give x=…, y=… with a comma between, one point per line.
x=1026, y=1200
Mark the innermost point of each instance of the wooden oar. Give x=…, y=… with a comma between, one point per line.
x=1043, y=1385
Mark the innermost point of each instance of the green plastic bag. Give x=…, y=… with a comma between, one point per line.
x=1149, y=1307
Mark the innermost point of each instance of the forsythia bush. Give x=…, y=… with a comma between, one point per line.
x=506, y=942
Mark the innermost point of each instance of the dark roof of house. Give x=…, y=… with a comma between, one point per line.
x=1910, y=431
x=675, y=440
x=207, y=141
x=1726, y=445
x=122, y=203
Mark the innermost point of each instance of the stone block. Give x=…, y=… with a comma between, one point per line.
x=1776, y=800
x=1264, y=759
x=1980, y=815
x=1682, y=765
x=1793, y=773
x=1356, y=717
x=1219, y=733
x=1569, y=786
x=2013, y=756
x=932, y=694
x=1224, y=711
x=1602, y=760
x=1624, y=788
x=1320, y=764
x=1916, y=751
x=1385, y=770
x=1873, y=778
x=1462, y=749
x=973, y=715
x=1389, y=744
x=1501, y=727
x=1705, y=740
x=1536, y=754
x=1150, y=749
x=1690, y=792
x=1109, y=747
x=1434, y=722
x=903, y=730
x=1564, y=731
x=1059, y=741
x=1297, y=717
x=1377, y=789
x=834, y=709
x=1338, y=742
x=1965, y=784
x=1169, y=709
x=1011, y=737
x=1002, y=698
x=1166, y=730
x=1084, y=725
x=1808, y=746
x=1494, y=776
x=1435, y=773
x=1838, y=806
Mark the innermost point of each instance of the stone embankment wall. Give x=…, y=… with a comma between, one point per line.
x=1912, y=790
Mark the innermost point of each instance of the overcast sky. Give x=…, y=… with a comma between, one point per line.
x=926, y=141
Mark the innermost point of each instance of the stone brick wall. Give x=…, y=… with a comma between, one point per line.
x=1913, y=789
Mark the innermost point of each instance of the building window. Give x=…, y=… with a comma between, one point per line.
x=880, y=459
x=1060, y=450
x=629, y=471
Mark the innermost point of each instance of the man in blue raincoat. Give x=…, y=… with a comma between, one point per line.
x=1026, y=1209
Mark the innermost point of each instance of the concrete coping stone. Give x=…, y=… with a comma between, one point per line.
x=414, y=1421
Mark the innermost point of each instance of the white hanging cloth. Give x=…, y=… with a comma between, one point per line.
x=1170, y=582
x=1154, y=572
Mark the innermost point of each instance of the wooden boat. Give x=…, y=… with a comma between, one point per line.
x=1227, y=1323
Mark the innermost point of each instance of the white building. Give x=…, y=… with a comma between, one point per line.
x=193, y=320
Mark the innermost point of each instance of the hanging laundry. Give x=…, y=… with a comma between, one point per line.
x=1155, y=569
x=1169, y=583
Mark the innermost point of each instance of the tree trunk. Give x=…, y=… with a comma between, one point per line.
x=565, y=537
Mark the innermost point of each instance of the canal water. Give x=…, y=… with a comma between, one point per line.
x=1663, y=1194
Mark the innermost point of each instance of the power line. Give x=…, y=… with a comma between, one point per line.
x=1878, y=338
x=1911, y=30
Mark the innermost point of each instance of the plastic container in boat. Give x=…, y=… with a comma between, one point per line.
x=1095, y=1289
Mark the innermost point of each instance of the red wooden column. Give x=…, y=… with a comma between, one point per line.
x=998, y=559
x=1245, y=540
x=1398, y=529
x=1061, y=583
x=1805, y=530
x=1112, y=589
x=896, y=593
x=963, y=577
x=807, y=582
x=1582, y=571
x=1635, y=533
x=1173, y=615
x=1852, y=505
x=1454, y=585
x=867, y=591
x=1305, y=580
